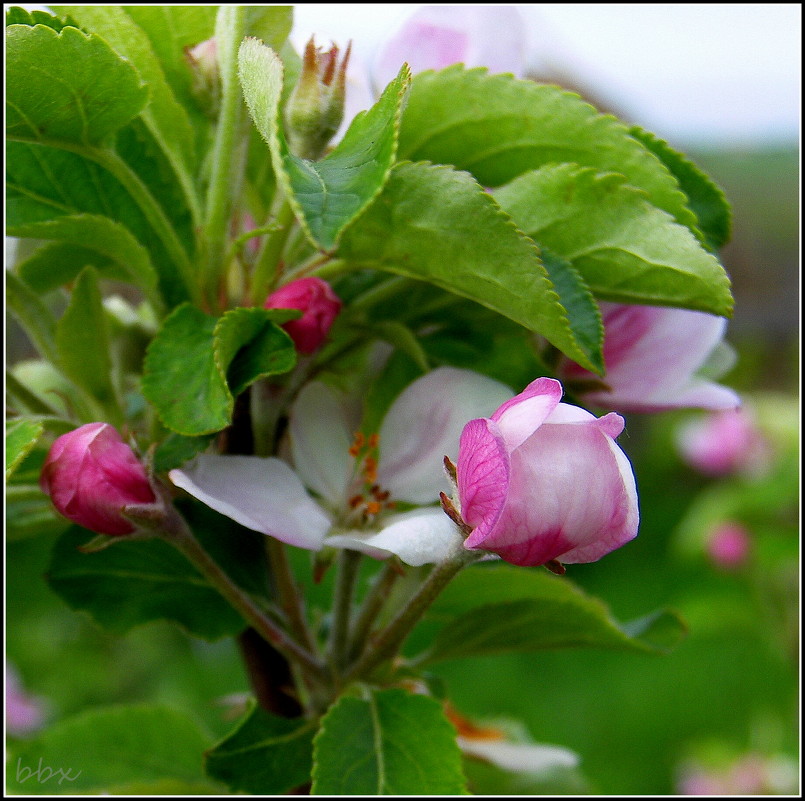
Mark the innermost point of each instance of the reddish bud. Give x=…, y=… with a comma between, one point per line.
x=90, y=475
x=319, y=306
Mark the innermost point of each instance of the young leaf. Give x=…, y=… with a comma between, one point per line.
x=498, y=127
x=501, y=608
x=387, y=742
x=438, y=225
x=67, y=86
x=83, y=343
x=327, y=194
x=19, y=16
x=187, y=363
x=264, y=755
x=705, y=198
x=136, y=581
x=625, y=249
x=102, y=748
x=21, y=436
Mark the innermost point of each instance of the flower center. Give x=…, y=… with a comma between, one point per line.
x=369, y=498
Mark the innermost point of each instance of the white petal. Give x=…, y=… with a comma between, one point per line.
x=423, y=426
x=418, y=538
x=519, y=757
x=263, y=494
x=321, y=434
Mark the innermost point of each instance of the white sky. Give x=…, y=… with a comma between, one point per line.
x=685, y=71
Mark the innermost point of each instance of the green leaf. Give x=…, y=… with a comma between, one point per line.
x=705, y=198
x=19, y=16
x=82, y=341
x=438, y=225
x=32, y=314
x=21, y=436
x=625, y=249
x=196, y=362
x=575, y=296
x=164, y=116
x=498, y=127
x=264, y=755
x=387, y=742
x=327, y=194
x=106, y=747
x=495, y=609
x=137, y=581
x=67, y=86
x=58, y=263
x=272, y=24
x=53, y=194
x=177, y=449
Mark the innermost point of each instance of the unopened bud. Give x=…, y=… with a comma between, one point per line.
x=91, y=475
x=316, y=105
x=319, y=305
x=206, y=83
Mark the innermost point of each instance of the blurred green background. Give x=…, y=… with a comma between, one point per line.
x=730, y=689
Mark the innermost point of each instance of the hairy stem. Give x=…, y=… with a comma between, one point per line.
x=387, y=642
x=348, y=565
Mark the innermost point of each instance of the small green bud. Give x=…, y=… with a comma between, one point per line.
x=315, y=108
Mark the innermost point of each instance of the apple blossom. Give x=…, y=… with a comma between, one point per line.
x=353, y=483
x=542, y=480
x=90, y=475
x=728, y=545
x=724, y=442
x=319, y=305
x=652, y=356
x=435, y=37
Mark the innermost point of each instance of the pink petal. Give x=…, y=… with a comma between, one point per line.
x=483, y=477
x=262, y=494
x=571, y=497
x=423, y=426
x=519, y=417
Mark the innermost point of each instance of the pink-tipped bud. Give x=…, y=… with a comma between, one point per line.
x=316, y=105
x=91, y=475
x=319, y=305
x=206, y=75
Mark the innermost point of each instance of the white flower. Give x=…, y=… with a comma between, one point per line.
x=354, y=489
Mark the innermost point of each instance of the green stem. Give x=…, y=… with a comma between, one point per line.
x=268, y=258
x=370, y=608
x=288, y=593
x=388, y=641
x=227, y=157
x=348, y=565
x=177, y=532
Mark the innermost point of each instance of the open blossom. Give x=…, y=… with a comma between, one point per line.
x=724, y=442
x=652, y=356
x=90, y=475
x=343, y=489
x=542, y=480
x=319, y=305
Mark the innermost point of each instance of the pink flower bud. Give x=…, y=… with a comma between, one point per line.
x=91, y=474
x=723, y=443
x=543, y=480
x=651, y=356
x=319, y=306
x=728, y=545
